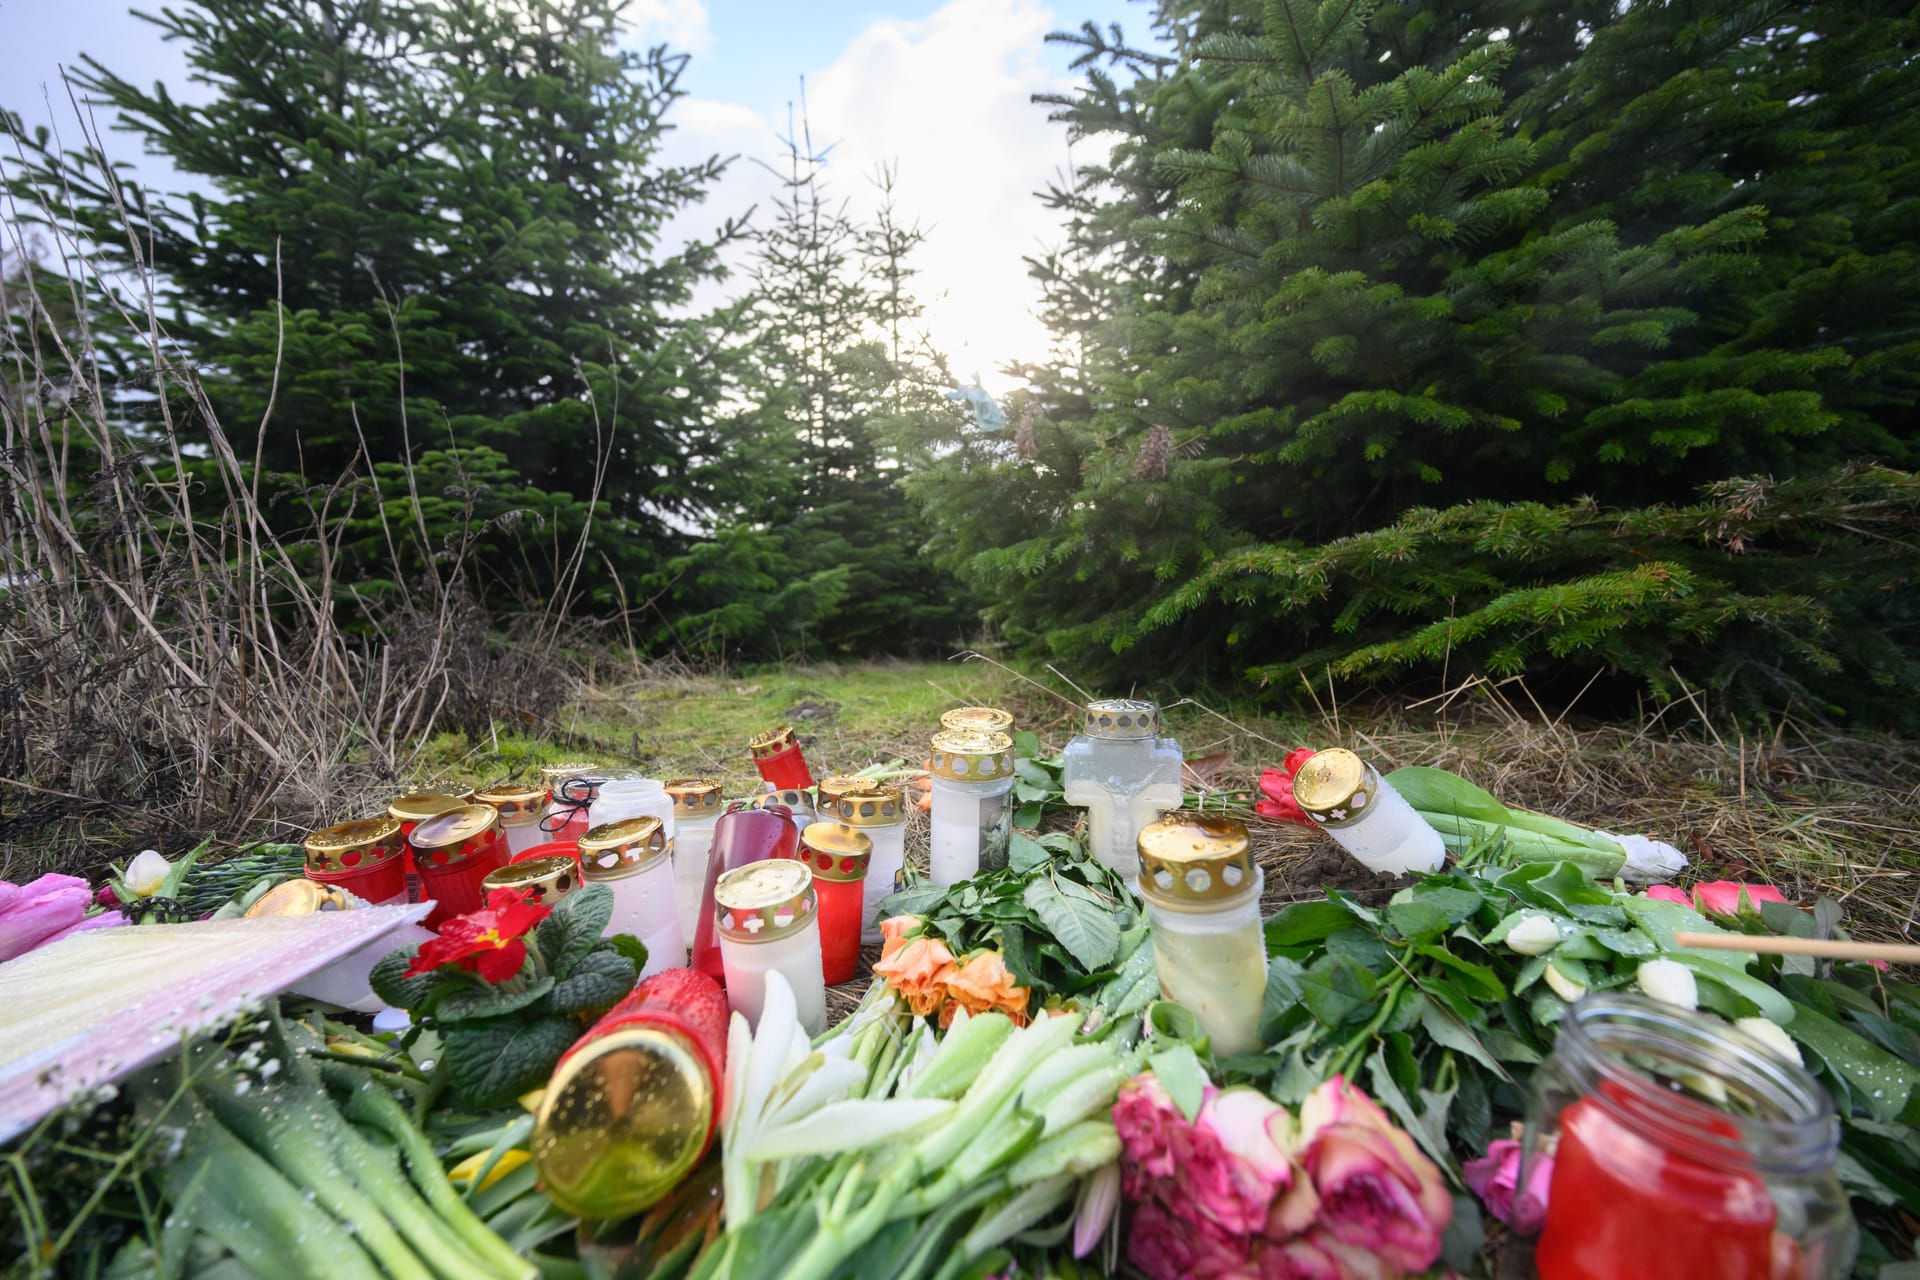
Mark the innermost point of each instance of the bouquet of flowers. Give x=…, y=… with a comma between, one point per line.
x=1243, y=1189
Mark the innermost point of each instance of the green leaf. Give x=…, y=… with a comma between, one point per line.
x=1482, y=983
x=493, y=1062
x=479, y=999
x=1882, y=1082
x=600, y=981
x=916, y=901
x=1428, y=1125
x=1026, y=854
x=576, y=924
x=1026, y=744
x=1179, y=1071
x=1723, y=969
x=1449, y=1033
x=1036, y=777
x=1063, y=844
x=1338, y=990
x=415, y=995
x=1299, y=923
x=1417, y=922
x=1445, y=894
x=1133, y=988
x=630, y=947
x=1564, y=888
x=1282, y=995
x=1088, y=931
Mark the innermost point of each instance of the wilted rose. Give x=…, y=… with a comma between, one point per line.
x=984, y=982
x=1377, y=1191
x=1167, y=1247
x=1147, y=1121
x=1495, y=1178
x=919, y=972
x=1236, y=1166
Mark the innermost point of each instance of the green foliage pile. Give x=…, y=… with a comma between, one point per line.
x=1503, y=337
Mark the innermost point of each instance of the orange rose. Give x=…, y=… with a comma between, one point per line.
x=893, y=931
x=919, y=971
x=983, y=982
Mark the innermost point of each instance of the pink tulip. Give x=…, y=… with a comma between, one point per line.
x=1667, y=893
x=1722, y=897
x=39, y=911
x=1495, y=1178
x=1377, y=1191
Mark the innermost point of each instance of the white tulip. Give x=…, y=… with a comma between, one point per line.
x=1563, y=986
x=1533, y=936
x=1649, y=861
x=146, y=873
x=1768, y=1033
x=1669, y=982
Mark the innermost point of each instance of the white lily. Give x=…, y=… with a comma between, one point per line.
x=1533, y=936
x=1770, y=1034
x=1669, y=982
x=146, y=873
x=1563, y=986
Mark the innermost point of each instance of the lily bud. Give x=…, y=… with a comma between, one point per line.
x=1536, y=935
x=1669, y=982
x=1563, y=986
x=1768, y=1033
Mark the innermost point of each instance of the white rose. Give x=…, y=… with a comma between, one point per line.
x=146, y=873
x=1563, y=986
x=1533, y=936
x=1768, y=1033
x=1669, y=982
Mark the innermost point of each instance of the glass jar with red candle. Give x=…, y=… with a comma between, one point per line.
x=742, y=835
x=633, y=1106
x=455, y=851
x=571, y=789
x=776, y=754
x=364, y=858
x=838, y=856
x=1681, y=1149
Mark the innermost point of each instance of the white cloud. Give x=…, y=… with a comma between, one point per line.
x=947, y=100
x=680, y=24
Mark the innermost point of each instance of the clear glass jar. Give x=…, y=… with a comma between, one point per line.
x=1125, y=776
x=519, y=806
x=767, y=916
x=630, y=858
x=742, y=836
x=1682, y=1149
x=696, y=810
x=1349, y=800
x=972, y=820
x=880, y=814
x=1202, y=894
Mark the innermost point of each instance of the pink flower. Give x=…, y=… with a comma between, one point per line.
x=1495, y=1178
x=1722, y=897
x=1276, y=786
x=1149, y=1125
x=1298, y=1258
x=1667, y=893
x=1377, y=1191
x=1093, y=1211
x=43, y=910
x=1243, y=1130
x=1166, y=1247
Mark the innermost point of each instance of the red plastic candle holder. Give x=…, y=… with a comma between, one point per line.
x=364, y=858
x=742, y=835
x=455, y=851
x=776, y=754
x=837, y=856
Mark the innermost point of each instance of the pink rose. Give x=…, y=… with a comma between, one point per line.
x=1377, y=1191
x=1495, y=1178
x=1297, y=1259
x=1147, y=1121
x=1722, y=897
x=1166, y=1247
x=42, y=910
x=1239, y=1134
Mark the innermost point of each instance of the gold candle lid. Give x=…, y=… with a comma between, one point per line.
x=876, y=806
x=454, y=836
x=616, y=850
x=838, y=785
x=1335, y=786
x=966, y=756
x=772, y=742
x=795, y=798
x=420, y=805
x=694, y=798
x=835, y=851
x=621, y=1122
x=349, y=846
x=542, y=880
x=764, y=900
x=1193, y=862
x=1122, y=718
x=555, y=774
x=976, y=720
x=517, y=802
x=299, y=898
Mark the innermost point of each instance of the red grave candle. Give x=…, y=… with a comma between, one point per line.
x=741, y=836
x=455, y=852
x=1622, y=1205
x=776, y=754
x=838, y=855
x=364, y=858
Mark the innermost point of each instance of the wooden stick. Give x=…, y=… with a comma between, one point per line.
x=1825, y=948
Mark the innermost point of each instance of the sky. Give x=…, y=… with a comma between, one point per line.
x=940, y=90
